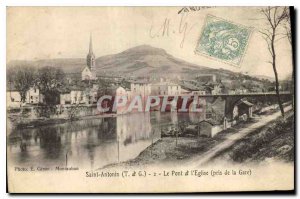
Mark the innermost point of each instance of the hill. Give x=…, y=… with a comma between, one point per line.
x=141, y=60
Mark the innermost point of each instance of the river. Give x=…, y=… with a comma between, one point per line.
x=90, y=143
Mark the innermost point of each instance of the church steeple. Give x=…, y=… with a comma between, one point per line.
x=90, y=59
x=89, y=72
x=91, y=45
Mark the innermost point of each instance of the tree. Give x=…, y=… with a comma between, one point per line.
x=73, y=111
x=49, y=80
x=288, y=33
x=103, y=87
x=22, y=77
x=275, y=18
x=287, y=26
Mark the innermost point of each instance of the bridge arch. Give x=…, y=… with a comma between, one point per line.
x=231, y=103
x=209, y=122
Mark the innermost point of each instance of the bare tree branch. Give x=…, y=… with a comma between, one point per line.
x=269, y=62
x=267, y=35
x=281, y=38
x=274, y=17
x=287, y=27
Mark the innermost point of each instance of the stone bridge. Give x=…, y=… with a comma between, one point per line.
x=232, y=99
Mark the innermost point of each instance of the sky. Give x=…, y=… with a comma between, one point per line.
x=35, y=33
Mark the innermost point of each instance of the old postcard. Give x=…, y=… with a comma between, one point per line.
x=150, y=99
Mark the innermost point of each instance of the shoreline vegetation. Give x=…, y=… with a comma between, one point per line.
x=275, y=141
x=43, y=121
x=257, y=146
x=23, y=122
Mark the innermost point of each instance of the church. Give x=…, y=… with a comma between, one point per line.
x=89, y=72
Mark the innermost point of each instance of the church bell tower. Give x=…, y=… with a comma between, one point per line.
x=89, y=73
x=90, y=59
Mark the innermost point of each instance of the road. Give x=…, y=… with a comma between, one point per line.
x=232, y=139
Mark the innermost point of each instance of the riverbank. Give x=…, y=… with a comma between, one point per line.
x=24, y=121
x=169, y=150
x=31, y=123
x=274, y=142
x=172, y=151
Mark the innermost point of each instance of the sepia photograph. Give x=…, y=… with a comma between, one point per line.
x=150, y=99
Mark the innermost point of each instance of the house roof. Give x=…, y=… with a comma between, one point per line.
x=139, y=81
x=211, y=122
x=86, y=67
x=184, y=90
x=189, y=87
x=11, y=87
x=165, y=83
x=64, y=90
x=211, y=83
x=113, y=87
x=245, y=102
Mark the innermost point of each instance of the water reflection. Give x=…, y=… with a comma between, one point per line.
x=91, y=143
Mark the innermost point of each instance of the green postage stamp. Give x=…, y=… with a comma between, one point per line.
x=223, y=40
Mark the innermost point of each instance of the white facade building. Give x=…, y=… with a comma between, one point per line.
x=140, y=88
x=198, y=92
x=13, y=99
x=76, y=97
x=165, y=88
x=33, y=96
x=65, y=98
x=80, y=96
x=87, y=74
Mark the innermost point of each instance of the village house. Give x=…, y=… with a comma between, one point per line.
x=187, y=86
x=33, y=97
x=200, y=91
x=74, y=96
x=114, y=92
x=231, y=91
x=209, y=128
x=13, y=99
x=242, y=110
x=237, y=91
x=206, y=78
x=241, y=91
x=141, y=88
x=214, y=88
x=65, y=98
x=190, y=89
x=185, y=91
x=77, y=95
x=165, y=88
x=120, y=91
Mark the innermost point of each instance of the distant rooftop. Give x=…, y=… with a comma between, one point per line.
x=245, y=102
x=165, y=83
x=139, y=81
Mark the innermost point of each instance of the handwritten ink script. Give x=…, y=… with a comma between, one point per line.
x=167, y=28
x=193, y=9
